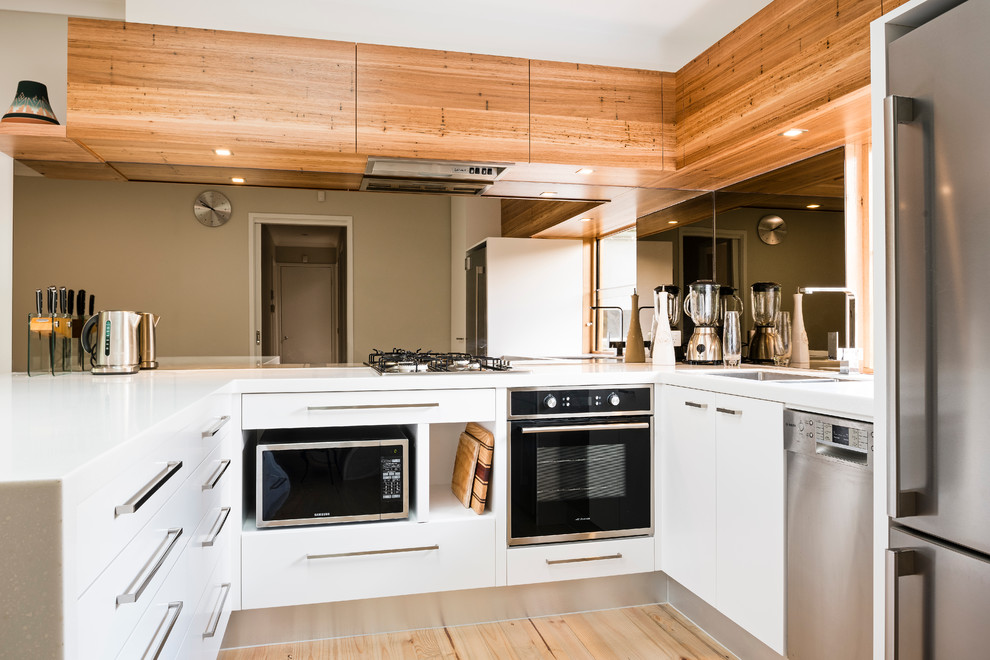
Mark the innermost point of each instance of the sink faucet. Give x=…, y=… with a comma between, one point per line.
x=849, y=357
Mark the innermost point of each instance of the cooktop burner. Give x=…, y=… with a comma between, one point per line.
x=400, y=361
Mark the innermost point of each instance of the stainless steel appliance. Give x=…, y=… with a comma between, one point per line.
x=938, y=385
x=764, y=300
x=319, y=476
x=829, y=537
x=417, y=175
x=580, y=463
x=702, y=304
x=401, y=361
x=147, y=344
x=116, y=346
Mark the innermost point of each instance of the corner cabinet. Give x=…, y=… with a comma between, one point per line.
x=722, y=502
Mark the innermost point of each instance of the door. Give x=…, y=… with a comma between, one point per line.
x=308, y=319
x=688, y=485
x=749, y=565
x=941, y=596
x=941, y=151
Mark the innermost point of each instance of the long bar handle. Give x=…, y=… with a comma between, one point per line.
x=380, y=406
x=694, y=404
x=139, y=498
x=620, y=426
x=214, y=622
x=213, y=430
x=900, y=563
x=365, y=553
x=217, y=475
x=217, y=527
x=729, y=411
x=896, y=110
x=151, y=568
x=171, y=616
x=553, y=562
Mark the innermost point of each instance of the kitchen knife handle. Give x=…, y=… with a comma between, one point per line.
x=900, y=563
x=63, y=300
x=907, y=336
x=81, y=302
x=92, y=301
x=39, y=302
x=52, y=300
x=71, y=299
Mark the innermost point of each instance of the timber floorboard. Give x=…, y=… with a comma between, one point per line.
x=649, y=632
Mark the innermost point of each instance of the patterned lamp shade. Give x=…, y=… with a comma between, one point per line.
x=31, y=105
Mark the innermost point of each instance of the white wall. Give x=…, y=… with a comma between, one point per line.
x=33, y=47
x=7, y=324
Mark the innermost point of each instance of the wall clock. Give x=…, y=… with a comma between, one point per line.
x=212, y=208
x=772, y=229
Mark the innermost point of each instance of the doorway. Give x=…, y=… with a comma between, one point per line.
x=301, y=303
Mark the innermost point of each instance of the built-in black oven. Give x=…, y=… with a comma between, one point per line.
x=580, y=463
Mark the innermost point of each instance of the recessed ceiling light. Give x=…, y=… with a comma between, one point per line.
x=548, y=194
x=236, y=179
x=585, y=170
x=672, y=222
x=794, y=132
x=814, y=206
x=223, y=152
x=585, y=219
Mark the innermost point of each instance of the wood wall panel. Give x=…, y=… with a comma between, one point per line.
x=888, y=5
x=523, y=218
x=793, y=57
x=162, y=94
x=41, y=142
x=596, y=115
x=439, y=104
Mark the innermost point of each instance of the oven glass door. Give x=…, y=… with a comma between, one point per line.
x=580, y=479
x=312, y=483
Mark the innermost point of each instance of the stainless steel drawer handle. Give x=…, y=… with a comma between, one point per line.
x=213, y=430
x=380, y=406
x=217, y=527
x=364, y=553
x=214, y=622
x=164, y=629
x=216, y=476
x=147, y=574
x=587, y=427
x=551, y=562
x=900, y=563
x=692, y=404
x=729, y=411
x=143, y=495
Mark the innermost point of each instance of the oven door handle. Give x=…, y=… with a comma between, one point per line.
x=618, y=426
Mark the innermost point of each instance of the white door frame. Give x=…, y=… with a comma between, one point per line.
x=255, y=221
x=732, y=234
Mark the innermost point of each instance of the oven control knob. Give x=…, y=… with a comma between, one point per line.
x=550, y=401
x=613, y=399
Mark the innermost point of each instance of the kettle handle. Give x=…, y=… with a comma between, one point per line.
x=87, y=329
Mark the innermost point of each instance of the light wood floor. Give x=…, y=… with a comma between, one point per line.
x=651, y=632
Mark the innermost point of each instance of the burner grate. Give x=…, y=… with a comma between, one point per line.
x=404, y=361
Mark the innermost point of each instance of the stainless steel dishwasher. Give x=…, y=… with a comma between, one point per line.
x=829, y=534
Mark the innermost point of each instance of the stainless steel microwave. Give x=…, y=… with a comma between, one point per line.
x=331, y=475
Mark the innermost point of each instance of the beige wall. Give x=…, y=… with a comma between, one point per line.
x=138, y=246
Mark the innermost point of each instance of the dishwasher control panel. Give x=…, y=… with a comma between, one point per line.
x=827, y=430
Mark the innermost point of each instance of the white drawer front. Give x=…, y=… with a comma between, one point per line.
x=209, y=619
x=585, y=559
x=313, y=409
x=107, y=520
x=109, y=609
x=160, y=631
x=295, y=567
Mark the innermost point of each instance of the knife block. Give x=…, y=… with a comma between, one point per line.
x=49, y=345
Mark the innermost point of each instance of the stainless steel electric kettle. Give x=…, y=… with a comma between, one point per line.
x=115, y=350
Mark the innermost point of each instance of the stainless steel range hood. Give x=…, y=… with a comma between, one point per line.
x=445, y=177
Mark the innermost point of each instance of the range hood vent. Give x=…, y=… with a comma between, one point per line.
x=442, y=177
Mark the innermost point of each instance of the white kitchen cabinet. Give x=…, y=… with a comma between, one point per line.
x=583, y=559
x=722, y=500
x=687, y=482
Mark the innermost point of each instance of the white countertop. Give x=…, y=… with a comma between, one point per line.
x=52, y=426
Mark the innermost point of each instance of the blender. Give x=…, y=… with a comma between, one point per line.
x=703, y=306
x=764, y=304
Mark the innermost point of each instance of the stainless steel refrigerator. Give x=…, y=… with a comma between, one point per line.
x=938, y=251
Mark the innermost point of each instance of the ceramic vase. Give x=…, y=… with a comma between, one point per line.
x=799, y=338
x=635, y=350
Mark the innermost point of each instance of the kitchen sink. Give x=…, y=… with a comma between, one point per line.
x=774, y=376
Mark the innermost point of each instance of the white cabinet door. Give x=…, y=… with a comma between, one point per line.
x=750, y=515
x=687, y=489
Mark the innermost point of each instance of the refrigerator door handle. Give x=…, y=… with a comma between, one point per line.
x=900, y=502
x=900, y=563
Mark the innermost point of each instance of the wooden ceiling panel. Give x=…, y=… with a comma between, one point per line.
x=523, y=218
x=252, y=177
x=47, y=142
x=61, y=169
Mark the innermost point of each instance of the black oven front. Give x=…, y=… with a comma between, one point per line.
x=580, y=463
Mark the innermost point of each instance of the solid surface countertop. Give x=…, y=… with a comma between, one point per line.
x=52, y=426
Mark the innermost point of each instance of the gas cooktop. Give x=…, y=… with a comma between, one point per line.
x=400, y=361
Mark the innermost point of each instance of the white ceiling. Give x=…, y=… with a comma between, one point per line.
x=650, y=34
